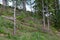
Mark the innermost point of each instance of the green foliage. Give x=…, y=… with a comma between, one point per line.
x=7, y=13
x=56, y=20
x=2, y=30
x=21, y=16
x=32, y=36
x=30, y=22
x=12, y=37
x=26, y=31
x=5, y=23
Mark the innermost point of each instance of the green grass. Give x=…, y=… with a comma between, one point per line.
x=25, y=32
x=31, y=36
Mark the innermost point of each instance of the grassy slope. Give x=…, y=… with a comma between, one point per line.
x=24, y=30
x=24, y=33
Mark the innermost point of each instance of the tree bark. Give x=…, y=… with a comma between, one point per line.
x=14, y=32
x=43, y=14
x=47, y=11
x=24, y=5
x=4, y=2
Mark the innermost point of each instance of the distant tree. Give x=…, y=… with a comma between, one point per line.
x=57, y=14
x=24, y=5
x=4, y=2
x=15, y=6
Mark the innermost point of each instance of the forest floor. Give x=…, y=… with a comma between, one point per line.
x=24, y=31
x=27, y=27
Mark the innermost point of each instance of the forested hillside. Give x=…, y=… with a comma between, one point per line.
x=42, y=22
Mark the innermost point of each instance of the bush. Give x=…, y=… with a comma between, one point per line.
x=22, y=15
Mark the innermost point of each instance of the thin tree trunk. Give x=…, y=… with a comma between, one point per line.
x=24, y=5
x=14, y=18
x=43, y=14
x=30, y=6
x=4, y=2
x=47, y=13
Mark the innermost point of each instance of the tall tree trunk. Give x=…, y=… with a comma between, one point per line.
x=4, y=2
x=4, y=5
x=43, y=14
x=24, y=5
x=47, y=11
x=14, y=32
x=30, y=6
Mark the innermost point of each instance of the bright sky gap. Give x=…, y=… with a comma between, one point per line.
x=27, y=6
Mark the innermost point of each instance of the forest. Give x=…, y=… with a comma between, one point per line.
x=29, y=19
